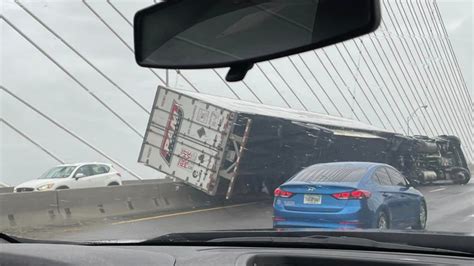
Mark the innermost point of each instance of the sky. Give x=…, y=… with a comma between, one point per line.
x=33, y=77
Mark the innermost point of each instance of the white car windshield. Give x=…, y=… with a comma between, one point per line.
x=58, y=172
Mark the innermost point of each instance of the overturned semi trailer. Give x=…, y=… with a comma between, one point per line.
x=425, y=160
x=226, y=147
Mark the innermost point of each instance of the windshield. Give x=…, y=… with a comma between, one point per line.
x=387, y=116
x=58, y=172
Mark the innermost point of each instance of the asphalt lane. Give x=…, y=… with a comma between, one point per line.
x=450, y=209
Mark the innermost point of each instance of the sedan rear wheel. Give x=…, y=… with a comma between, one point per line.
x=382, y=221
x=423, y=216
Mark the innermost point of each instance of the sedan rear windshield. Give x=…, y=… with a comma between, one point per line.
x=331, y=173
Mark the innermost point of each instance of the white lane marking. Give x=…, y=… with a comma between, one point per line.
x=438, y=189
x=409, y=259
x=468, y=218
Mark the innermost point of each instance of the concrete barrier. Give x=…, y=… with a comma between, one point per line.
x=6, y=189
x=28, y=208
x=178, y=196
x=63, y=207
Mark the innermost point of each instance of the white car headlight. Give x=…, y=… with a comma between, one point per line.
x=45, y=187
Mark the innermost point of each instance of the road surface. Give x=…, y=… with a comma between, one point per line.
x=450, y=208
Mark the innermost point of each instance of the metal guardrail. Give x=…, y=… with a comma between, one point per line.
x=63, y=207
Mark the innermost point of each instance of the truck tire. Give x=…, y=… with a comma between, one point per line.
x=462, y=177
x=62, y=187
x=451, y=138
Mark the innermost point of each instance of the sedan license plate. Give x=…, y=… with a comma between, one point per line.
x=312, y=199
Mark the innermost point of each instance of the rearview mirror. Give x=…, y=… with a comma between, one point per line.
x=191, y=34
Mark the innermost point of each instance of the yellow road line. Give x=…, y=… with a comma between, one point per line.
x=182, y=213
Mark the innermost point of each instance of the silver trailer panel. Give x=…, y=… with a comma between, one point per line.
x=185, y=138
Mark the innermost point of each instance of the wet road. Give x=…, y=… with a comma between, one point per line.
x=450, y=208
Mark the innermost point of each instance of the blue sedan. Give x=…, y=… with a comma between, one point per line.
x=349, y=195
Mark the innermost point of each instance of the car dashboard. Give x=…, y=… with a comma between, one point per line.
x=67, y=254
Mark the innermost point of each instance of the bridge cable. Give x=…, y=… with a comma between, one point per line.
x=130, y=23
x=56, y=158
x=311, y=90
x=418, y=73
x=287, y=84
x=440, y=82
x=408, y=80
x=459, y=72
x=442, y=66
x=118, y=36
x=404, y=70
x=416, y=69
x=397, y=105
x=444, y=86
x=465, y=98
x=82, y=57
x=70, y=132
x=343, y=82
x=73, y=77
x=273, y=85
x=390, y=73
x=251, y=91
x=362, y=90
x=429, y=76
x=405, y=73
x=451, y=50
x=389, y=104
x=322, y=88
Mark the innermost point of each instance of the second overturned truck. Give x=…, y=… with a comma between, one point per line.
x=225, y=147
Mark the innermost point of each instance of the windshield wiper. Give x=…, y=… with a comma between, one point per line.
x=9, y=239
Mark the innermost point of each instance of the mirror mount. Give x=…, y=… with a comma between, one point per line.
x=238, y=72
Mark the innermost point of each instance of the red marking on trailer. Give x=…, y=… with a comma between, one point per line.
x=170, y=136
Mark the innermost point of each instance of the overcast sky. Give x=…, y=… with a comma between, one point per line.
x=34, y=78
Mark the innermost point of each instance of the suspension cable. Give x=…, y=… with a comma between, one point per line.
x=56, y=158
x=82, y=57
x=70, y=132
x=72, y=77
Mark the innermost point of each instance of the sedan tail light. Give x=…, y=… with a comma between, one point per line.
x=355, y=194
x=282, y=193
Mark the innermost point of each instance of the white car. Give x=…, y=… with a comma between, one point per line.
x=80, y=175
